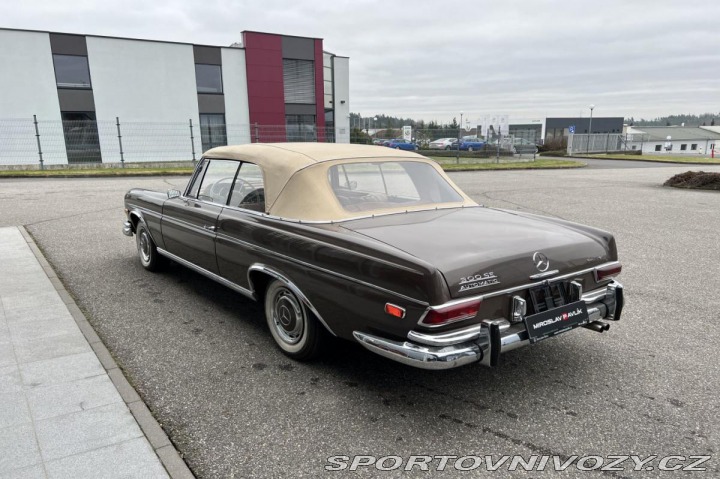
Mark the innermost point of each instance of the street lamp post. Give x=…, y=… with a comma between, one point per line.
x=592, y=107
x=457, y=152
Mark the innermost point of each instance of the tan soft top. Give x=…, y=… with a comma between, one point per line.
x=296, y=181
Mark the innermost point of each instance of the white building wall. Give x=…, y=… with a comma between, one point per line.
x=27, y=88
x=237, y=110
x=341, y=88
x=144, y=81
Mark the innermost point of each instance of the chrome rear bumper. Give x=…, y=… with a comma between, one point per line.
x=482, y=342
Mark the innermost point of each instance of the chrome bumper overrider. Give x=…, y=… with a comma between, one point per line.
x=127, y=229
x=482, y=342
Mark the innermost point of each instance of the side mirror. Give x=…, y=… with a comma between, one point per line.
x=173, y=194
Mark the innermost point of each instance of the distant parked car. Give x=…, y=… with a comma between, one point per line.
x=472, y=144
x=442, y=143
x=521, y=145
x=400, y=144
x=378, y=141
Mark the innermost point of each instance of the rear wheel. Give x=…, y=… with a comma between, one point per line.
x=147, y=251
x=447, y=147
x=295, y=330
x=470, y=148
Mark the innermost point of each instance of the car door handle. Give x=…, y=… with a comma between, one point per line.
x=209, y=227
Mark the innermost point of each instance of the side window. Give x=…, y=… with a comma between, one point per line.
x=249, y=189
x=218, y=180
x=197, y=179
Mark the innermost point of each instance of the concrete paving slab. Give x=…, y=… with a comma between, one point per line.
x=10, y=380
x=69, y=397
x=84, y=431
x=61, y=413
x=19, y=448
x=127, y=459
x=7, y=354
x=41, y=328
x=59, y=370
x=32, y=472
x=51, y=347
x=13, y=409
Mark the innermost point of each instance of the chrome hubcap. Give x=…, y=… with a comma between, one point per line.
x=144, y=247
x=288, y=317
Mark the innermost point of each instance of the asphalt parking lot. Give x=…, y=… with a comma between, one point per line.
x=234, y=406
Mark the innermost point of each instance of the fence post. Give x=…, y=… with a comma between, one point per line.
x=122, y=156
x=457, y=152
x=37, y=137
x=257, y=133
x=192, y=141
x=607, y=142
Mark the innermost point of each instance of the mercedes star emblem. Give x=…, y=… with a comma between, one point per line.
x=542, y=263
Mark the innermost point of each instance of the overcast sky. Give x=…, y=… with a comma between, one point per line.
x=432, y=59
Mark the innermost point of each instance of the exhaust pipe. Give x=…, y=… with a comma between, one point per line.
x=597, y=326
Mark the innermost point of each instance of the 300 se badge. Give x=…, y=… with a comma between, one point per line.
x=555, y=321
x=476, y=281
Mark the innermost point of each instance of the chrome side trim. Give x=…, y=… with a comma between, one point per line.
x=422, y=356
x=446, y=339
x=318, y=268
x=235, y=287
x=277, y=275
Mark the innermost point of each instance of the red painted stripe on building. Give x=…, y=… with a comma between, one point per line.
x=319, y=91
x=266, y=95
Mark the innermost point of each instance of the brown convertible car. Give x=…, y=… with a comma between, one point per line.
x=380, y=247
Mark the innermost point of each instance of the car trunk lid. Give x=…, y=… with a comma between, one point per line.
x=479, y=250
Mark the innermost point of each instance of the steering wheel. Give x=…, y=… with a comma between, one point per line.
x=220, y=188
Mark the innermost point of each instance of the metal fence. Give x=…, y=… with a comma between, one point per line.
x=453, y=142
x=32, y=141
x=579, y=144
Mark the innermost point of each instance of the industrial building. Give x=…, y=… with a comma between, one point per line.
x=89, y=98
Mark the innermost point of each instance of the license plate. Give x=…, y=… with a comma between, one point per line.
x=556, y=321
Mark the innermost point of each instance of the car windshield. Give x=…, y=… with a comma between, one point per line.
x=379, y=185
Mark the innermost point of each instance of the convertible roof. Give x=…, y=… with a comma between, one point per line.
x=296, y=156
x=292, y=189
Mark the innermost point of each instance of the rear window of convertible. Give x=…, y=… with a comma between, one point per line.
x=381, y=185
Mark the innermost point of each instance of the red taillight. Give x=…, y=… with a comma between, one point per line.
x=608, y=271
x=450, y=314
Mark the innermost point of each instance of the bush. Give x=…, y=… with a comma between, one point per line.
x=554, y=153
x=698, y=180
x=487, y=152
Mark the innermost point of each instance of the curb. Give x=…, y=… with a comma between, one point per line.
x=516, y=169
x=643, y=161
x=159, y=441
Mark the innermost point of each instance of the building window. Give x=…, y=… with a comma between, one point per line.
x=71, y=71
x=658, y=147
x=208, y=78
x=693, y=146
x=634, y=147
x=81, y=137
x=299, y=81
x=683, y=147
x=212, y=131
x=301, y=128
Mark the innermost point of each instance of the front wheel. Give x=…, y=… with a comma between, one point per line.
x=470, y=148
x=147, y=251
x=295, y=330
